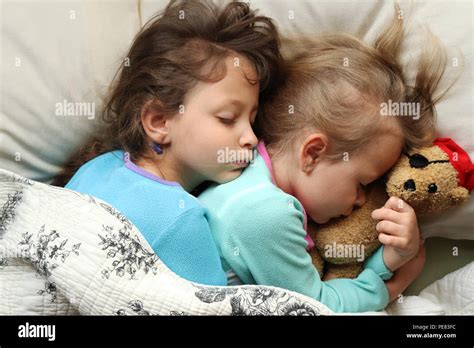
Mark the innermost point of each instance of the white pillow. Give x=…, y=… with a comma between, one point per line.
x=51, y=52
x=70, y=51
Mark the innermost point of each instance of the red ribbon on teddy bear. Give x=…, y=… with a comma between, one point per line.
x=460, y=160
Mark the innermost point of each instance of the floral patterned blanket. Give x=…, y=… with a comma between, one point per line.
x=65, y=253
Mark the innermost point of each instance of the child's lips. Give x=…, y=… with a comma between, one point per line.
x=240, y=164
x=349, y=212
x=342, y=215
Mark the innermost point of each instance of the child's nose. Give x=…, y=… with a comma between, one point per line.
x=248, y=139
x=360, y=200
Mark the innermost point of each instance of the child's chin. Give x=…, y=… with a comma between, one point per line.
x=228, y=176
x=321, y=220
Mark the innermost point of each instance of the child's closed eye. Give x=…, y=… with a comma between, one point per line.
x=364, y=186
x=227, y=121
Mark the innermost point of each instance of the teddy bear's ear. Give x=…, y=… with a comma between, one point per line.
x=458, y=195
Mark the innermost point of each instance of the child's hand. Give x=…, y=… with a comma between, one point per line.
x=398, y=231
x=406, y=274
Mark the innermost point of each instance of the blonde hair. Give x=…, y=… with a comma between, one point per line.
x=335, y=82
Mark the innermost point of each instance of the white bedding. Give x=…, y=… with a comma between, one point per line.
x=451, y=295
x=65, y=253
x=54, y=51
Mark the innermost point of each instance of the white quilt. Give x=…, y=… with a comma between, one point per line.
x=65, y=253
x=62, y=252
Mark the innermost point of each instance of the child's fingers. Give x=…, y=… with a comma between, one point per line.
x=388, y=227
x=393, y=241
x=387, y=214
x=398, y=204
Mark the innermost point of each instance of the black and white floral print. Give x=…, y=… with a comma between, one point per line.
x=257, y=301
x=49, y=289
x=8, y=210
x=246, y=301
x=47, y=251
x=210, y=295
x=22, y=180
x=137, y=308
x=300, y=309
x=126, y=253
x=45, y=255
x=122, y=218
x=3, y=262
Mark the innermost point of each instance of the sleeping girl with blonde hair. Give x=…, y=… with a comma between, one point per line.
x=323, y=139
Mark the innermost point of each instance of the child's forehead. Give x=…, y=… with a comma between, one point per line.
x=242, y=65
x=232, y=76
x=232, y=68
x=380, y=154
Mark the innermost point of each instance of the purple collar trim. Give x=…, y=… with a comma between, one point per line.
x=134, y=168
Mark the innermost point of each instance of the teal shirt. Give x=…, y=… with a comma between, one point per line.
x=260, y=234
x=172, y=221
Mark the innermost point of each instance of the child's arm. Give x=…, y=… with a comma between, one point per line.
x=186, y=246
x=406, y=274
x=266, y=246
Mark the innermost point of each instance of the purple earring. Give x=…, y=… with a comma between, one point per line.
x=157, y=148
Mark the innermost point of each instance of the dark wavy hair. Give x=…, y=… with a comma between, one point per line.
x=166, y=59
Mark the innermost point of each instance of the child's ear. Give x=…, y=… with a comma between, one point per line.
x=312, y=149
x=155, y=123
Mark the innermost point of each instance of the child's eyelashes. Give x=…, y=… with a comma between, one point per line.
x=231, y=119
x=226, y=121
x=364, y=186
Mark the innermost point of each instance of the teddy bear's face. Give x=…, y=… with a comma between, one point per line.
x=426, y=180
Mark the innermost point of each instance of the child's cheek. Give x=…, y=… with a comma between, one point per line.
x=315, y=209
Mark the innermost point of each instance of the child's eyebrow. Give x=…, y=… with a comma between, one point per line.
x=240, y=104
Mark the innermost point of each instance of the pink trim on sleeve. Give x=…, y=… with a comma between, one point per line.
x=310, y=242
x=262, y=150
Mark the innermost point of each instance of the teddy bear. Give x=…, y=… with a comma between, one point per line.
x=431, y=180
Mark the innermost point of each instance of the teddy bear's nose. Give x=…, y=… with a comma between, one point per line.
x=409, y=185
